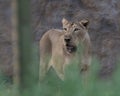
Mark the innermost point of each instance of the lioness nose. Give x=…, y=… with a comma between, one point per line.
x=67, y=38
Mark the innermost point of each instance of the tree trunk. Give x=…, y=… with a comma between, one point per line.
x=27, y=74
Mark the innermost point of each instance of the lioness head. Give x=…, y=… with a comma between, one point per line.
x=74, y=33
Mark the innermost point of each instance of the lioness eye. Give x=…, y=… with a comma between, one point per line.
x=65, y=29
x=76, y=29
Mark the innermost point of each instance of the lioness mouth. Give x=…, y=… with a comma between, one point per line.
x=71, y=48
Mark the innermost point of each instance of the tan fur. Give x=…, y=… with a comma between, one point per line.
x=53, y=48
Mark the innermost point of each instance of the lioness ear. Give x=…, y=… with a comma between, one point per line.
x=84, y=23
x=64, y=21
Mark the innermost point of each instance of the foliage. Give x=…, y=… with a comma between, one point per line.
x=73, y=85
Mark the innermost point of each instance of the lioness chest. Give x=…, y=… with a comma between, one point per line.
x=59, y=54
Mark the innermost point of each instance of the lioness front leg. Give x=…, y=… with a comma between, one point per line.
x=44, y=63
x=60, y=72
x=86, y=58
x=58, y=66
x=43, y=69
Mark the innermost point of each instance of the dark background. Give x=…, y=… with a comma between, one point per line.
x=104, y=27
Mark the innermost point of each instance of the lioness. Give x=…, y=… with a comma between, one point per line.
x=59, y=47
